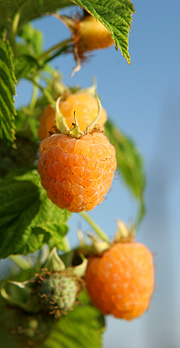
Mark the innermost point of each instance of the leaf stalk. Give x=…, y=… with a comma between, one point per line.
x=53, y=48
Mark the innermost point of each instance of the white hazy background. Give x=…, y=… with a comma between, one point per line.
x=143, y=99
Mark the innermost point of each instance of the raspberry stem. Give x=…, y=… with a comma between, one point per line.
x=21, y=262
x=15, y=24
x=43, y=90
x=55, y=47
x=66, y=245
x=95, y=227
x=34, y=96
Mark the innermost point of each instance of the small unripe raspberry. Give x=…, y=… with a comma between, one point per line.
x=57, y=291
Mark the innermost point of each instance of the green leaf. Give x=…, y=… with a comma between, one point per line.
x=24, y=65
x=21, y=329
x=6, y=340
x=81, y=328
x=116, y=15
x=129, y=162
x=27, y=10
x=28, y=219
x=7, y=90
x=27, y=124
x=27, y=51
x=23, y=155
x=32, y=38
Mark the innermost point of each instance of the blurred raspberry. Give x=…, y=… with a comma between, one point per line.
x=121, y=280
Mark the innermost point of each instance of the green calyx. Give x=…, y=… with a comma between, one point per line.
x=123, y=233
x=54, y=262
x=75, y=132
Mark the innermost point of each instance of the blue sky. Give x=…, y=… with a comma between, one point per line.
x=143, y=100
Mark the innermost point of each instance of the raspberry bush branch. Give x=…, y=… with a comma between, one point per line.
x=43, y=302
x=34, y=96
x=15, y=24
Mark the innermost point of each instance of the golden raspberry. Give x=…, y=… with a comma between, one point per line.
x=121, y=280
x=47, y=124
x=85, y=107
x=91, y=34
x=77, y=173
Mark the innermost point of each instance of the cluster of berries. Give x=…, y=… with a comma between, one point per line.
x=76, y=170
x=119, y=278
x=76, y=166
x=77, y=173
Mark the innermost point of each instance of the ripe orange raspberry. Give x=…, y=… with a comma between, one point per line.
x=90, y=34
x=77, y=173
x=121, y=280
x=85, y=107
x=47, y=124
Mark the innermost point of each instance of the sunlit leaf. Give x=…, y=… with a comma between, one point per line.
x=28, y=219
x=129, y=162
x=116, y=15
x=7, y=91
